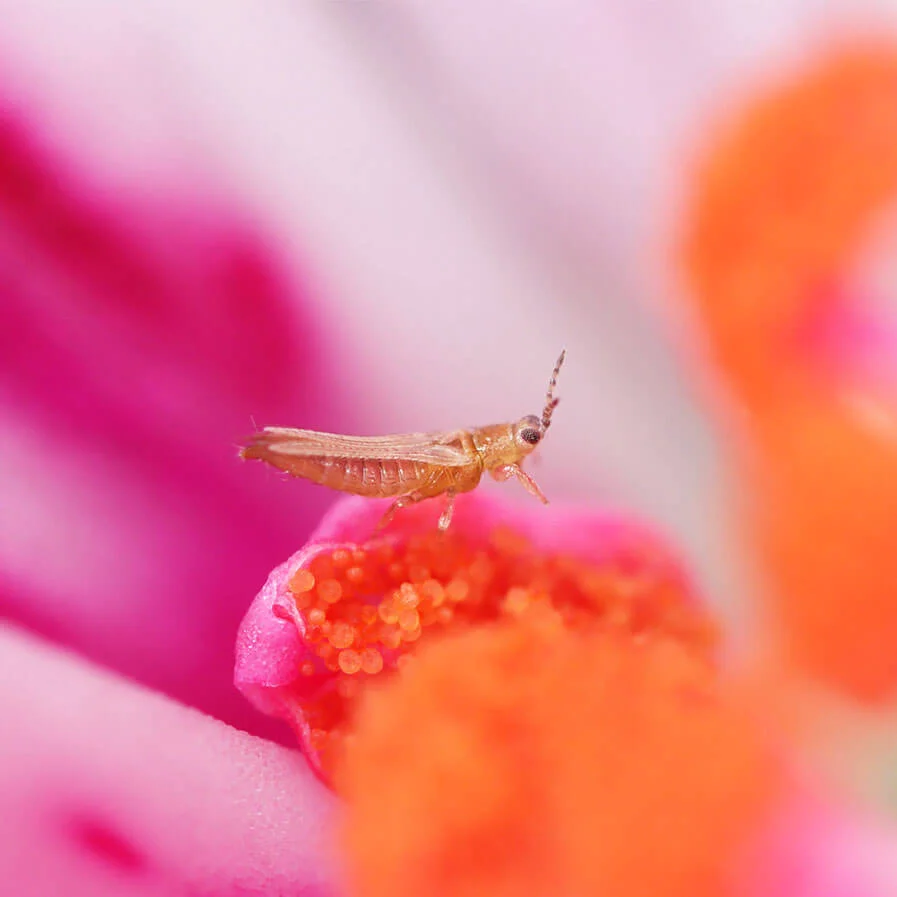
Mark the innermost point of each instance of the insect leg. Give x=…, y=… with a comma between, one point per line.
x=445, y=518
x=401, y=502
x=514, y=470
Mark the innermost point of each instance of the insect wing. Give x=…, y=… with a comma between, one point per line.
x=443, y=449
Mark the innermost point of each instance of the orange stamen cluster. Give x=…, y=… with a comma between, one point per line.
x=368, y=609
x=529, y=759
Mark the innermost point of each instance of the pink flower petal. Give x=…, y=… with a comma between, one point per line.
x=140, y=338
x=848, y=337
x=108, y=789
x=817, y=849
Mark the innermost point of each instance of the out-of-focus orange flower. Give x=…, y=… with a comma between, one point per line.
x=519, y=759
x=785, y=201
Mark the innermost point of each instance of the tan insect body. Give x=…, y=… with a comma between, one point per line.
x=409, y=467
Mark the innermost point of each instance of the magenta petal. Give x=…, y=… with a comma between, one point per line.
x=108, y=789
x=269, y=646
x=140, y=337
x=851, y=336
x=270, y=650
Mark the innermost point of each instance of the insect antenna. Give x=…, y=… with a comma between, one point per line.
x=550, y=401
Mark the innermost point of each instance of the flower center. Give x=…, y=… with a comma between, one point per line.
x=521, y=760
x=364, y=610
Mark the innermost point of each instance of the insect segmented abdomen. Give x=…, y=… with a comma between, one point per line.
x=389, y=477
x=363, y=476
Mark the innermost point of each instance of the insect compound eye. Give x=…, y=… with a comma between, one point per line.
x=530, y=435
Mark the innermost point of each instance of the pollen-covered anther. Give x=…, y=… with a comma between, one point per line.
x=366, y=609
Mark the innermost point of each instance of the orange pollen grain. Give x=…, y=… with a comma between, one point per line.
x=409, y=619
x=355, y=575
x=371, y=661
x=432, y=591
x=411, y=635
x=368, y=614
x=388, y=612
x=408, y=596
x=350, y=661
x=304, y=600
x=302, y=581
x=330, y=590
x=517, y=600
x=341, y=635
x=316, y=616
x=341, y=558
x=457, y=590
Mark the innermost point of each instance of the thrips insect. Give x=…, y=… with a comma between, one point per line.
x=410, y=467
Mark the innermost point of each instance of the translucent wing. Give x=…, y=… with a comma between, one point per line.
x=444, y=449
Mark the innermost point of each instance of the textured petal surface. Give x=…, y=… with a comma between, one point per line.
x=108, y=789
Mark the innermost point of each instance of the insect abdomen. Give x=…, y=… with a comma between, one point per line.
x=363, y=476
